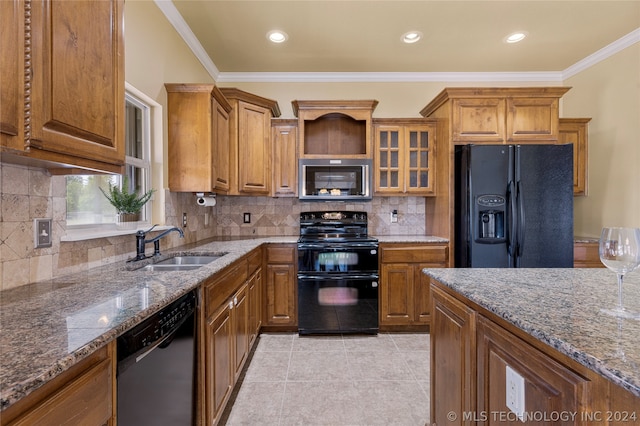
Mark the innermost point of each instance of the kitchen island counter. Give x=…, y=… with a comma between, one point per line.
x=562, y=309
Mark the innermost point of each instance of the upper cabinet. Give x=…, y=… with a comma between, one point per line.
x=404, y=156
x=284, y=139
x=250, y=142
x=198, y=124
x=500, y=115
x=330, y=129
x=69, y=57
x=576, y=131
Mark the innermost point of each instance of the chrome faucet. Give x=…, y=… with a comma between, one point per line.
x=141, y=241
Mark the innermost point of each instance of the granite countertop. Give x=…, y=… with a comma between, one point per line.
x=47, y=327
x=562, y=308
x=410, y=239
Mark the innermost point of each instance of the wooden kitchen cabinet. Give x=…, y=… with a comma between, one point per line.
x=501, y=115
x=403, y=161
x=85, y=394
x=227, y=342
x=453, y=359
x=405, y=299
x=69, y=93
x=334, y=129
x=576, y=131
x=586, y=255
x=198, y=125
x=250, y=142
x=281, y=312
x=284, y=139
x=548, y=386
x=12, y=61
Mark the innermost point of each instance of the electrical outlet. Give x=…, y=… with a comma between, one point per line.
x=246, y=218
x=515, y=392
x=394, y=216
x=42, y=233
x=184, y=220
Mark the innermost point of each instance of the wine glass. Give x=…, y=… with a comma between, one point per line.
x=620, y=251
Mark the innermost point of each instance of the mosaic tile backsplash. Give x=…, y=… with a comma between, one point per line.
x=29, y=193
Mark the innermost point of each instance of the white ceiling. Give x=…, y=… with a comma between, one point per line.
x=361, y=36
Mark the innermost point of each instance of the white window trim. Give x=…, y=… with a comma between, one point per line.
x=155, y=156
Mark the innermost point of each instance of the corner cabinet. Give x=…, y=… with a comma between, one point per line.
x=198, y=125
x=65, y=120
x=334, y=129
x=403, y=156
x=576, y=131
x=405, y=299
x=250, y=142
x=284, y=140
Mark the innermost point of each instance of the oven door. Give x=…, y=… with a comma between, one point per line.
x=337, y=303
x=340, y=257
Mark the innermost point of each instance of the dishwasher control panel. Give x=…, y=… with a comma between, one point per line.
x=157, y=327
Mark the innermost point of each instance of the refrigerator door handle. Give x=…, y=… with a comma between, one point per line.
x=521, y=221
x=512, y=229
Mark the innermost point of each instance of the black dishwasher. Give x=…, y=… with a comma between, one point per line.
x=156, y=368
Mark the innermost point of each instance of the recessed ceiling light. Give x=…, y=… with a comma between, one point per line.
x=411, y=37
x=277, y=36
x=515, y=37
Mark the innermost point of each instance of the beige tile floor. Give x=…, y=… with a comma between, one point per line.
x=334, y=380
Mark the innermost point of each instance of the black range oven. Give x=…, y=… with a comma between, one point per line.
x=337, y=274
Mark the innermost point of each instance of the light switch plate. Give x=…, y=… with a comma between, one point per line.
x=42, y=233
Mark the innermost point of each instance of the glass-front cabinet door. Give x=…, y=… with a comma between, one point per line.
x=404, y=157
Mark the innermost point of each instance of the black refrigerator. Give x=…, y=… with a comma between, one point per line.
x=514, y=206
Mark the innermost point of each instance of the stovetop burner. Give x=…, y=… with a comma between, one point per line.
x=337, y=226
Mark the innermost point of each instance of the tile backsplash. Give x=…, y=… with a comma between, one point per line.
x=30, y=193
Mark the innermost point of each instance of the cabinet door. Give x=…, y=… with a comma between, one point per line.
x=240, y=316
x=576, y=131
x=453, y=359
x=281, y=295
x=389, y=160
x=221, y=171
x=77, y=88
x=422, y=294
x=285, y=160
x=396, y=294
x=255, y=305
x=478, y=120
x=532, y=120
x=12, y=17
x=254, y=149
x=548, y=386
x=219, y=363
x=419, y=157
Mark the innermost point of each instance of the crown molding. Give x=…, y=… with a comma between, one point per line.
x=174, y=17
x=178, y=22
x=602, y=54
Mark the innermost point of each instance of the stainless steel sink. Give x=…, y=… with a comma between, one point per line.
x=182, y=263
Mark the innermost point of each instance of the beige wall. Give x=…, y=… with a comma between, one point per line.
x=609, y=93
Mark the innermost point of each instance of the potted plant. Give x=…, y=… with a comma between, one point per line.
x=128, y=204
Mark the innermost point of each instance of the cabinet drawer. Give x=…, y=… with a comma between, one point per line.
x=281, y=254
x=414, y=254
x=219, y=290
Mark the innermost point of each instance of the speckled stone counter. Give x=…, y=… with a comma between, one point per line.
x=410, y=239
x=47, y=327
x=562, y=308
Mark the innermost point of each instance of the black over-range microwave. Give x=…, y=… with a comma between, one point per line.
x=334, y=179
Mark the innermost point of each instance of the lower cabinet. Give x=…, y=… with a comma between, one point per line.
x=586, y=255
x=281, y=287
x=404, y=290
x=83, y=395
x=232, y=320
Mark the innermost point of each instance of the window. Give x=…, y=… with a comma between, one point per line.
x=86, y=205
